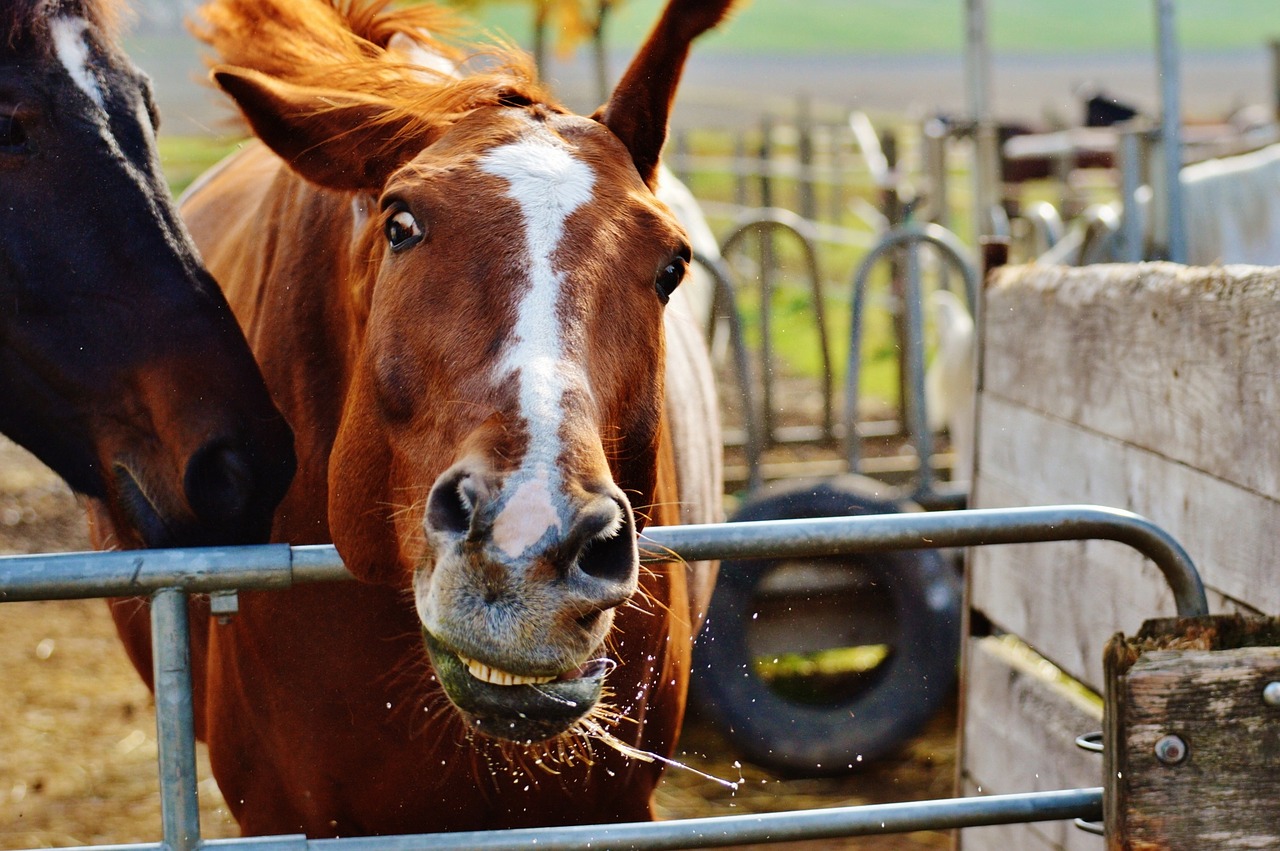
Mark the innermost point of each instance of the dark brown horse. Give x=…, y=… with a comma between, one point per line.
x=457, y=290
x=121, y=364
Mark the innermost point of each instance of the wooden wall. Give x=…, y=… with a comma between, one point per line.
x=1154, y=388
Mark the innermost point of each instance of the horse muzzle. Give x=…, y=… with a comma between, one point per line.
x=226, y=495
x=515, y=618
x=513, y=707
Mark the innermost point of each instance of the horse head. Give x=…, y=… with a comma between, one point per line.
x=502, y=428
x=121, y=364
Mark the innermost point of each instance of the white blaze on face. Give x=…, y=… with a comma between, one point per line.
x=548, y=184
x=71, y=45
x=73, y=52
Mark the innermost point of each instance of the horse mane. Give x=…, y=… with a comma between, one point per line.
x=346, y=45
x=24, y=23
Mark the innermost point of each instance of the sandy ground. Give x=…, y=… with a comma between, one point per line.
x=77, y=759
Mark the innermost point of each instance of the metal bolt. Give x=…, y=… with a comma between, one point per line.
x=1171, y=750
x=1271, y=694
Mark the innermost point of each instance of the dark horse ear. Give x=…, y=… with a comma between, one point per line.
x=335, y=139
x=637, y=110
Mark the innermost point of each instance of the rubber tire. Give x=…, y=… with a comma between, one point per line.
x=911, y=685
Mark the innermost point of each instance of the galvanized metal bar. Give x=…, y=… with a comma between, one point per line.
x=127, y=573
x=769, y=828
x=1132, y=142
x=725, y=303
x=175, y=720
x=765, y=223
x=717, y=832
x=912, y=361
x=977, y=71
x=1171, y=129
x=221, y=569
x=953, y=252
x=831, y=536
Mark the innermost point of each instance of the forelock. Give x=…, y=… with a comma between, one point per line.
x=24, y=24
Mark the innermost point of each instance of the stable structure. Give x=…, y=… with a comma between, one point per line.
x=1150, y=387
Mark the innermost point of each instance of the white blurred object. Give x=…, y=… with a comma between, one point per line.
x=949, y=381
x=1231, y=207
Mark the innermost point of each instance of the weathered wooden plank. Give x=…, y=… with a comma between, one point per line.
x=1229, y=531
x=1020, y=720
x=1180, y=361
x=1066, y=599
x=1193, y=746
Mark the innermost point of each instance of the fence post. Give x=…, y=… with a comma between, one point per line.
x=766, y=260
x=175, y=719
x=804, y=153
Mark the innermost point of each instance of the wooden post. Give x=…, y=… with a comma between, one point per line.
x=1192, y=735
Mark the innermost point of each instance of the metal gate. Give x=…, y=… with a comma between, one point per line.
x=168, y=576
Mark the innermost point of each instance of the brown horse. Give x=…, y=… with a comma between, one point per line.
x=456, y=290
x=121, y=364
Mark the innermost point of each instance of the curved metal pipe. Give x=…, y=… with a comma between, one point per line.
x=725, y=303
x=954, y=252
x=831, y=536
x=765, y=222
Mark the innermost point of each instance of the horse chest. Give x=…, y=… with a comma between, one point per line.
x=324, y=717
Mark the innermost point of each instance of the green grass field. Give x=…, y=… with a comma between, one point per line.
x=896, y=27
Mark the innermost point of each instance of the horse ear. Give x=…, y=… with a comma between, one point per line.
x=335, y=139
x=638, y=109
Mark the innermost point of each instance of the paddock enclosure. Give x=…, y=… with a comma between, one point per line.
x=1148, y=387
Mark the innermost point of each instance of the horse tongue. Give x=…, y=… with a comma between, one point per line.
x=595, y=669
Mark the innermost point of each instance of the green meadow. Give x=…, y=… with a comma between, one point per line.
x=916, y=27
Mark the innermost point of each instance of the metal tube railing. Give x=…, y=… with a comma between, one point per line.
x=175, y=724
x=121, y=574
x=716, y=832
x=830, y=536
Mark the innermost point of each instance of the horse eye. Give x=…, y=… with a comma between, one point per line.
x=13, y=137
x=669, y=277
x=403, y=230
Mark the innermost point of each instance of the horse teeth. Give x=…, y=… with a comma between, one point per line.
x=497, y=677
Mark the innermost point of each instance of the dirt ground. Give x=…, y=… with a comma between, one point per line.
x=77, y=761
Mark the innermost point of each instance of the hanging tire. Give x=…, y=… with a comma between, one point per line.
x=797, y=682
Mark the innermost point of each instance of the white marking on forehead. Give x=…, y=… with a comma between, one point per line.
x=72, y=48
x=548, y=184
x=73, y=52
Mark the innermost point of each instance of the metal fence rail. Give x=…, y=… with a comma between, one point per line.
x=170, y=575
x=718, y=832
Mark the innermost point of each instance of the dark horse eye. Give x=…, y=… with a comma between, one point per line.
x=669, y=277
x=13, y=138
x=403, y=230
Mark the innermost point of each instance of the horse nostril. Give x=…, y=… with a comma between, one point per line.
x=610, y=553
x=451, y=504
x=219, y=484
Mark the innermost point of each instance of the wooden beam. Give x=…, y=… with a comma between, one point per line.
x=1191, y=743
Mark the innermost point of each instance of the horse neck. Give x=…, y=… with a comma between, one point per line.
x=295, y=300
